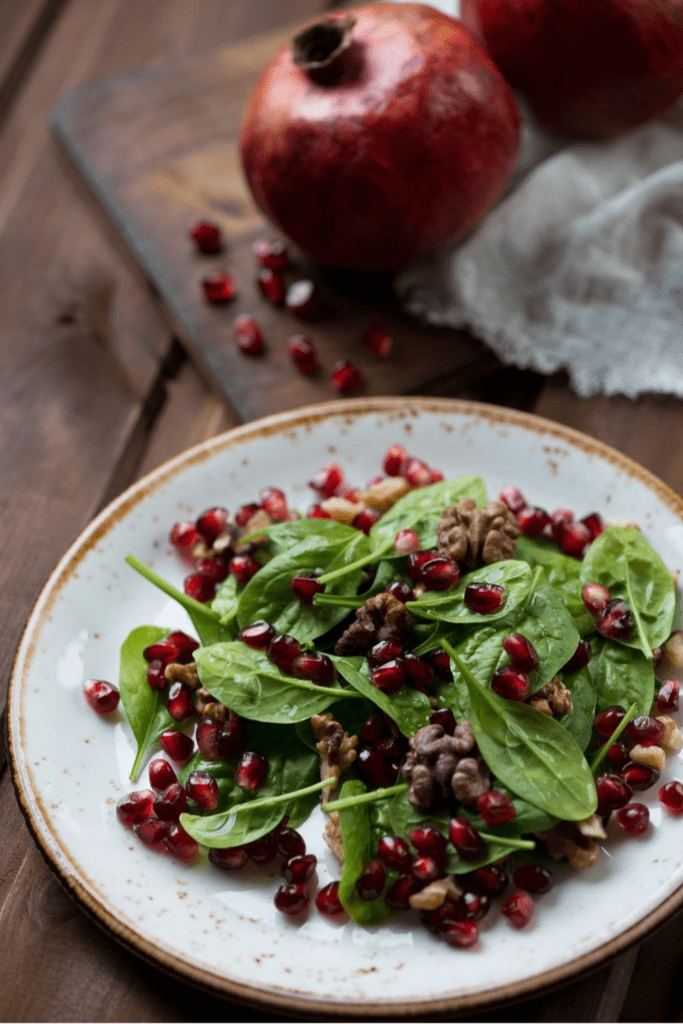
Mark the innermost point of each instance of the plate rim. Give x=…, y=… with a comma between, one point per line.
x=169, y=961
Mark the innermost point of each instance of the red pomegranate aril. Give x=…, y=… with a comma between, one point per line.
x=633, y=818
x=212, y=523
x=495, y=807
x=179, y=843
x=327, y=900
x=372, y=879
x=580, y=657
x=375, y=726
x=350, y=493
x=184, y=644
x=373, y=768
x=394, y=852
x=199, y=587
x=428, y=839
x=574, y=539
x=135, y=806
x=315, y=667
x=257, y=635
x=445, y=718
x=207, y=237
x=521, y=652
x=179, y=702
x=305, y=586
x=671, y=796
x=420, y=673
x=490, y=879
x=560, y=519
x=232, y=859
x=243, y=567
x=214, y=567
x=203, y=789
x=290, y=843
x=473, y=905
x=607, y=721
x=465, y=838
x=513, y=498
x=618, y=756
x=416, y=561
x=667, y=698
x=170, y=804
x=533, y=521
x=484, y=598
x=316, y=512
x=232, y=739
x=248, y=335
x=397, y=896
x=207, y=735
x=639, y=776
x=303, y=299
x=439, y=573
x=101, y=696
x=376, y=339
x=441, y=663
x=345, y=376
x=263, y=850
x=594, y=523
x=595, y=597
x=271, y=253
x=300, y=867
x=328, y=479
x=365, y=520
x=510, y=683
x=518, y=909
x=272, y=285
x=533, y=878
x=425, y=869
x=646, y=730
x=390, y=747
x=401, y=590
x=389, y=677
x=244, y=514
x=417, y=473
x=292, y=898
x=251, y=771
x=178, y=745
x=150, y=831
x=406, y=542
x=161, y=774
x=612, y=791
x=436, y=476
x=616, y=622
x=184, y=536
x=282, y=651
x=461, y=934
x=274, y=502
x=219, y=288
x=384, y=651
x=394, y=458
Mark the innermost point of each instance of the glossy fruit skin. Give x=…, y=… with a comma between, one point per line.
x=399, y=155
x=592, y=70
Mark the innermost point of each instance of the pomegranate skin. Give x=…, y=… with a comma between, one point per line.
x=589, y=69
x=406, y=151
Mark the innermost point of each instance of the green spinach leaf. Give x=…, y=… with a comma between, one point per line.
x=145, y=708
x=561, y=572
x=621, y=676
x=360, y=826
x=579, y=721
x=226, y=601
x=450, y=606
x=409, y=708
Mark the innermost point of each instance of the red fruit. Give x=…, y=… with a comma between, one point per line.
x=263, y=850
x=513, y=498
x=206, y=236
x=177, y=745
x=289, y=842
x=179, y=843
x=490, y=879
x=371, y=881
x=244, y=514
x=271, y=253
x=232, y=859
x=671, y=796
x=282, y=651
x=521, y=652
x=465, y=838
x=375, y=726
x=203, y=789
x=184, y=536
x=315, y=667
x=251, y=771
x=218, y=288
x=345, y=376
x=232, y=739
x=274, y=502
x=199, y=587
x=328, y=479
x=316, y=512
x=445, y=718
x=593, y=70
x=164, y=651
x=303, y=299
x=366, y=120
x=574, y=539
x=473, y=905
x=518, y=909
x=212, y=523
x=102, y=697
x=389, y=677
x=303, y=353
x=384, y=651
x=161, y=774
x=257, y=635
x=293, y=898
x=272, y=285
x=185, y=645
x=394, y=459
x=169, y=805
x=419, y=672
x=398, y=895
x=179, y=702
x=634, y=819
x=135, y=806
x=425, y=869
x=533, y=878
x=207, y=735
x=305, y=586
x=461, y=934
x=616, y=622
x=667, y=698
x=365, y=520
x=511, y=683
x=441, y=663
x=580, y=657
x=639, y=776
x=595, y=597
x=416, y=472
x=248, y=335
x=533, y=521
x=428, y=839
x=373, y=768
x=646, y=730
x=401, y=590
x=560, y=519
x=618, y=757
x=243, y=567
x=436, y=476
x=395, y=853
x=378, y=341
x=439, y=573
x=607, y=721
x=495, y=807
x=484, y=598
x=327, y=901
x=150, y=831
x=594, y=523
x=300, y=867
x=215, y=568
x=416, y=561
x=613, y=792
x=406, y=542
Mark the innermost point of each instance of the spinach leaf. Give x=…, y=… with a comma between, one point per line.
x=623, y=561
x=409, y=708
x=316, y=532
x=450, y=606
x=226, y=601
x=579, y=721
x=360, y=826
x=562, y=572
x=247, y=682
x=621, y=676
x=145, y=708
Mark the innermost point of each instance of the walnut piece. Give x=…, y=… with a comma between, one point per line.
x=672, y=651
x=333, y=837
x=652, y=756
x=567, y=840
x=207, y=707
x=385, y=493
x=341, y=509
x=337, y=750
x=382, y=617
x=436, y=893
x=553, y=699
x=672, y=740
x=177, y=673
x=474, y=535
x=438, y=765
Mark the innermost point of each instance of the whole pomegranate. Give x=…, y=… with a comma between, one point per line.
x=378, y=135
x=592, y=68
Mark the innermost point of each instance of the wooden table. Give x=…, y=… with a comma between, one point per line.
x=95, y=391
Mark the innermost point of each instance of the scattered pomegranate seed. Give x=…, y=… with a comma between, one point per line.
x=618, y=757
x=639, y=776
x=667, y=698
x=401, y=590
x=473, y=905
x=365, y=520
x=607, y=721
x=150, y=831
x=248, y=335
x=300, y=867
x=327, y=901
x=560, y=519
x=207, y=237
x=169, y=805
x=612, y=791
x=490, y=879
x=373, y=768
x=212, y=523
x=315, y=667
x=495, y=807
x=316, y=512
x=251, y=771
x=518, y=909
x=135, y=806
x=513, y=498
x=425, y=869
x=272, y=285
x=304, y=299
x=263, y=850
x=184, y=536
x=419, y=672
x=671, y=796
x=533, y=521
x=394, y=459
x=271, y=253
x=439, y=573
x=511, y=683
x=243, y=567
x=372, y=880
x=290, y=843
x=461, y=934
x=215, y=568
x=384, y=651
x=465, y=838
x=646, y=730
x=389, y=677
x=594, y=523
x=179, y=843
x=161, y=774
x=574, y=539
x=274, y=502
x=595, y=597
x=406, y=542
x=293, y=898
x=484, y=598
x=179, y=702
x=244, y=514
x=233, y=859
x=345, y=376
x=219, y=288
x=328, y=479
x=232, y=739
x=436, y=476
x=102, y=697
x=634, y=818
x=257, y=635
x=521, y=652
x=282, y=651
x=428, y=839
x=374, y=727
x=184, y=644
x=203, y=789
x=207, y=735
x=376, y=339
x=164, y=651
x=533, y=878
x=580, y=657
x=398, y=895
x=417, y=473
x=445, y=718
x=177, y=745
x=305, y=586
x=441, y=663
x=417, y=560
x=394, y=852
x=199, y=587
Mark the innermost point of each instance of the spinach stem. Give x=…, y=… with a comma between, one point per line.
x=283, y=798
x=343, y=570
x=337, y=601
x=188, y=603
x=603, y=751
x=462, y=667
x=514, y=844
x=365, y=798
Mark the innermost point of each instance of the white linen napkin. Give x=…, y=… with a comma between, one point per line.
x=579, y=268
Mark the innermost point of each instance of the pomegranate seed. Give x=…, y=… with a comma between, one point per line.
x=274, y=502
x=293, y=898
x=461, y=934
x=384, y=651
x=436, y=476
x=251, y=771
x=639, y=776
x=607, y=721
x=203, y=789
x=394, y=852
x=170, y=804
x=243, y=567
x=305, y=586
x=390, y=747
x=495, y=807
x=206, y=236
x=271, y=253
x=394, y=459
x=667, y=698
x=419, y=672
x=345, y=376
x=373, y=768
x=618, y=757
x=671, y=796
x=428, y=839
x=161, y=774
x=511, y=683
x=150, y=831
x=595, y=597
x=248, y=335
x=425, y=869
x=272, y=285
x=164, y=651
x=612, y=791
x=179, y=843
x=179, y=702
x=646, y=730
x=303, y=299
x=372, y=880
x=594, y=523
x=219, y=288
x=177, y=745
x=465, y=838
x=212, y=523
x=257, y=635
x=328, y=479
x=634, y=818
x=472, y=906
x=521, y=652
x=365, y=520
x=350, y=493
x=282, y=651
x=290, y=843
x=378, y=341
x=616, y=622
x=102, y=697
x=232, y=739
x=416, y=561
x=441, y=663
x=316, y=512
x=232, y=859
x=513, y=498
x=327, y=901
x=316, y=667
x=207, y=735
x=185, y=645
x=401, y=590
x=398, y=895
x=518, y=909
x=375, y=726
x=490, y=879
x=262, y=850
x=300, y=867
x=574, y=539
x=439, y=573
x=406, y=542
x=244, y=514
x=389, y=677
x=445, y=718
x=416, y=472
x=580, y=657
x=199, y=587
x=184, y=536
x=484, y=598
x=560, y=519
x=135, y=806
x=533, y=521
x=533, y=878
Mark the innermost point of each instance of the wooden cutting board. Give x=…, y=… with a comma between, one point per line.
x=159, y=150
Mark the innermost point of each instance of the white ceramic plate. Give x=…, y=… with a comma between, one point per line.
x=221, y=930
